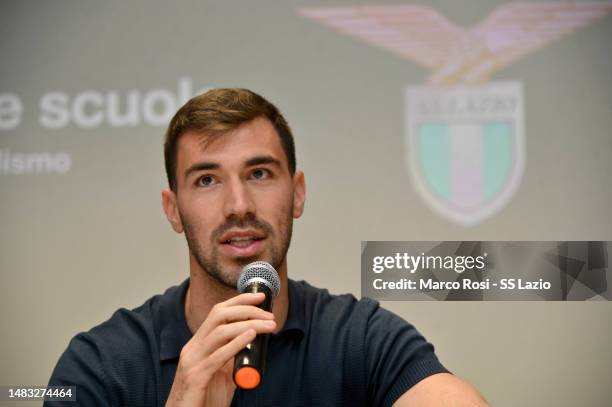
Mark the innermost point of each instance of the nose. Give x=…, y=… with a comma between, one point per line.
x=238, y=200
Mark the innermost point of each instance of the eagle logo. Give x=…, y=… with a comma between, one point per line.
x=465, y=139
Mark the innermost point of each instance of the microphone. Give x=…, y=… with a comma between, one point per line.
x=249, y=365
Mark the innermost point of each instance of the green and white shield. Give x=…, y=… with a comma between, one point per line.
x=465, y=147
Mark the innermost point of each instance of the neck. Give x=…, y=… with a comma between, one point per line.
x=205, y=291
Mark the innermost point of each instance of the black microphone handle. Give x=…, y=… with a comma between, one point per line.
x=254, y=355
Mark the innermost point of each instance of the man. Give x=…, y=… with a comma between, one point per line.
x=234, y=191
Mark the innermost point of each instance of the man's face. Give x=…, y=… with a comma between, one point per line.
x=235, y=199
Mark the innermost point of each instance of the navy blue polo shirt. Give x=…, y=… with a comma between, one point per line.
x=333, y=350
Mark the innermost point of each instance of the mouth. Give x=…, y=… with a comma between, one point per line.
x=242, y=243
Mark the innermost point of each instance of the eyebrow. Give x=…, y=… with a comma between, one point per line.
x=208, y=165
x=203, y=166
x=263, y=159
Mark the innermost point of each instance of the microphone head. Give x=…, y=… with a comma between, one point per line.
x=262, y=272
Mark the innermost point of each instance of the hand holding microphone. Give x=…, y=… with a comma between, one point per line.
x=250, y=363
x=204, y=374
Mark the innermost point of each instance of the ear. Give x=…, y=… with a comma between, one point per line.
x=169, y=203
x=299, y=193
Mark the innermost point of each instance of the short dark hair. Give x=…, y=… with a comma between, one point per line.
x=219, y=111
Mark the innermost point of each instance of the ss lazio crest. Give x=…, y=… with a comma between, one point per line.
x=465, y=139
x=466, y=147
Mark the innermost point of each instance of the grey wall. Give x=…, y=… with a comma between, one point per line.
x=88, y=236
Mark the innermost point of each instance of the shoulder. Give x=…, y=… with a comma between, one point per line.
x=386, y=354
x=360, y=325
x=130, y=331
x=120, y=349
x=126, y=331
x=118, y=342
x=321, y=306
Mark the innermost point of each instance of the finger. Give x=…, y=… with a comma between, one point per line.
x=243, y=299
x=223, y=334
x=226, y=352
x=238, y=313
x=202, y=346
x=213, y=319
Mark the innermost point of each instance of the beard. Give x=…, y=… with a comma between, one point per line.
x=228, y=275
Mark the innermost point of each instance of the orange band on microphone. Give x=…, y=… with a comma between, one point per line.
x=247, y=378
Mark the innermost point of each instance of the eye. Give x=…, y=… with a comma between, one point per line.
x=261, y=173
x=205, y=181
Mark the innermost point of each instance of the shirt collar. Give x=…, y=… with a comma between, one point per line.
x=175, y=333
x=174, y=330
x=295, y=325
